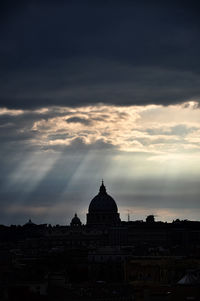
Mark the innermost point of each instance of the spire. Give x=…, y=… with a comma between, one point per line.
x=102, y=188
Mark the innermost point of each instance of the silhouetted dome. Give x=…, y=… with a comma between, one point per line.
x=29, y=223
x=150, y=219
x=102, y=202
x=75, y=221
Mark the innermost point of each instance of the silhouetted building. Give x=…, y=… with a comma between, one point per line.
x=161, y=261
x=76, y=222
x=103, y=210
x=150, y=219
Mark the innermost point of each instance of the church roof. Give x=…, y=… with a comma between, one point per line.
x=75, y=220
x=29, y=223
x=103, y=202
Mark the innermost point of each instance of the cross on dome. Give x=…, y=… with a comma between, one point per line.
x=102, y=188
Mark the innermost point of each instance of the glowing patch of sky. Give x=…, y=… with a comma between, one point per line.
x=132, y=145
x=127, y=128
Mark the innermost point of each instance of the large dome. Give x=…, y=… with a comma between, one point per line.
x=102, y=202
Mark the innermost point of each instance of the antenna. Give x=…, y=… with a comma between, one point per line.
x=128, y=216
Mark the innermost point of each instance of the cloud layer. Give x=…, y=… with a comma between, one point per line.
x=52, y=160
x=72, y=54
x=154, y=129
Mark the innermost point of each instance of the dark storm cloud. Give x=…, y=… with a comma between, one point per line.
x=73, y=53
x=101, y=81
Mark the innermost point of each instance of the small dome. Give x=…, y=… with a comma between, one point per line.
x=29, y=223
x=75, y=221
x=102, y=202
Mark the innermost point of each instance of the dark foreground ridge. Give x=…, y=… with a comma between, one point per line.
x=106, y=259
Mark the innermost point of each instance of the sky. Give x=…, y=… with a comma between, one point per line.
x=99, y=90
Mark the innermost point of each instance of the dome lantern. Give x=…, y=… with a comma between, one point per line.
x=102, y=188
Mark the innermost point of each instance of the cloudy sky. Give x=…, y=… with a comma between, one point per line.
x=92, y=90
